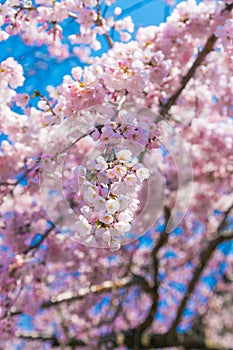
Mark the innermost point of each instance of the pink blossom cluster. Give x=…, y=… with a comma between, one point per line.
x=43, y=22
x=107, y=191
x=107, y=188
x=224, y=32
x=11, y=77
x=149, y=68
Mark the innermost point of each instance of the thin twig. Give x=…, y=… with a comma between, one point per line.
x=40, y=241
x=109, y=40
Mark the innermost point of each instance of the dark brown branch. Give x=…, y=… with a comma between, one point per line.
x=161, y=242
x=42, y=97
x=37, y=244
x=106, y=286
x=204, y=259
x=229, y=7
x=209, y=46
x=20, y=179
x=14, y=267
x=109, y=40
x=159, y=341
x=7, y=183
x=177, y=340
x=28, y=8
x=154, y=341
x=35, y=336
x=172, y=339
x=98, y=10
x=223, y=223
x=99, y=23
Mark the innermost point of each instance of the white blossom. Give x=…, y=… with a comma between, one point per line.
x=112, y=205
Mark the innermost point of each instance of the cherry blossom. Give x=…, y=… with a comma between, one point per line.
x=148, y=103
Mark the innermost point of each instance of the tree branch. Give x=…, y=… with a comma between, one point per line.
x=20, y=179
x=35, y=336
x=204, y=259
x=161, y=242
x=172, y=339
x=209, y=46
x=177, y=340
x=109, y=40
x=106, y=286
x=159, y=341
x=154, y=341
x=37, y=244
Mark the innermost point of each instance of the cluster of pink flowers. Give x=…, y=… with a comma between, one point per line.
x=107, y=188
x=108, y=192
x=225, y=33
x=11, y=73
x=43, y=22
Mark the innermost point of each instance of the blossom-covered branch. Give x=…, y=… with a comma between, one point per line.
x=201, y=56
x=205, y=256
